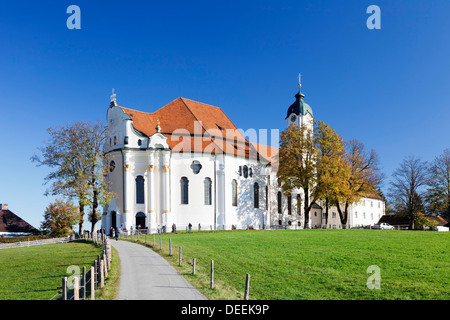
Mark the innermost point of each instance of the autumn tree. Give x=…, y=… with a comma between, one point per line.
x=438, y=193
x=64, y=153
x=59, y=217
x=333, y=172
x=364, y=177
x=97, y=170
x=297, y=165
x=407, y=187
x=75, y=152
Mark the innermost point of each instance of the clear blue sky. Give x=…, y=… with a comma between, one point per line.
x=388, y=88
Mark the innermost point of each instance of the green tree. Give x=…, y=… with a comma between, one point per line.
x=438, y=193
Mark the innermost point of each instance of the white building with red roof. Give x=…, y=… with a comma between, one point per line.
x=187, y=164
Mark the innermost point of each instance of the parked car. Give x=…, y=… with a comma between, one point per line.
x=383, y=226
x=386, y=226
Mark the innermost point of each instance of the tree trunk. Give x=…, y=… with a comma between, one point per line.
x=94, y=215
x=343, y=215
x=327, y=204
x=81, y=223
x=306, y=208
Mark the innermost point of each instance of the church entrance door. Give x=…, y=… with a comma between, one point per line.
x=113, y=220
x=140, y=220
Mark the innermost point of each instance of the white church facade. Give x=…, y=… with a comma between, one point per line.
x=187, y=164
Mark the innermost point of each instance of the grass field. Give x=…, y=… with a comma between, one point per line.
x=35, y=273
x=315, y=264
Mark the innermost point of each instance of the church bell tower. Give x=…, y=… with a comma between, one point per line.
x=300, y=113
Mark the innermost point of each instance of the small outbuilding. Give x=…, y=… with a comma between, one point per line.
x=12, y=225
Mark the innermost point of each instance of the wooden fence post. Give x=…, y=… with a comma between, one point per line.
x=92, y=283
x=102, y=275
x=76, y=288
x=211, y=283
x=105, y=267
x=64, y=288
x=94, y=276
x=84, y=283
x=247, y=287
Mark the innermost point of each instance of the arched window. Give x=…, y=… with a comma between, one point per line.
x=289, y=199
x=139, y=189
x=184, y=183
x=279, y=202
x=207, y=183
x=267, y=197
x=245, y=171
x=298, y=204
x=256, y=195
x=234, y=193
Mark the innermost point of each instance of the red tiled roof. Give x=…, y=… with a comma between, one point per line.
x=194, y=126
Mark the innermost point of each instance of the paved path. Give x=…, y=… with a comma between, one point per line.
x=145, y=275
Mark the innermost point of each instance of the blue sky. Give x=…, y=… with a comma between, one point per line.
x=387, y=88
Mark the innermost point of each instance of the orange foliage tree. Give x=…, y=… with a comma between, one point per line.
x=59, y=217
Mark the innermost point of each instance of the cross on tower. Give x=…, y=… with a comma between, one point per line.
x=113, y=98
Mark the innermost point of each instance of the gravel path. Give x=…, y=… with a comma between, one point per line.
x=145, y=275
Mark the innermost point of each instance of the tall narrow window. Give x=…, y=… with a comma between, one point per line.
x=234, y=193
x=298, y=204
x=184, y=183
x=289, y=199
x=279, y=199
x=207, y=183
x=139, y=189
x=267, y=197
x=256, y=195
x=245, y=171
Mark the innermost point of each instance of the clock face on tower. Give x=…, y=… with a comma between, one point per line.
x=293, y=117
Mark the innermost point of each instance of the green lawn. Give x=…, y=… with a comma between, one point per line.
x=35, y=273
x=315, y=264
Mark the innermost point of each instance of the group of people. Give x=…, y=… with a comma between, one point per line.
x=114, y=232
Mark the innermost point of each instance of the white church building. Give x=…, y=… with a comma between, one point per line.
x=187, y=164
